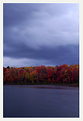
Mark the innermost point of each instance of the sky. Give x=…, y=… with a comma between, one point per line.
x=37, y=34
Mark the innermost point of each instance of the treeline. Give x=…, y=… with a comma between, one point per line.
x=62, y=74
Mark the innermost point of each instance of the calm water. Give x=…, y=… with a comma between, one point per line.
x=40, y=101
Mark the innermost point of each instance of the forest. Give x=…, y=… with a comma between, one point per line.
x=62, y=74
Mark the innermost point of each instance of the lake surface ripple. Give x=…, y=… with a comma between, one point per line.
x=40, y=101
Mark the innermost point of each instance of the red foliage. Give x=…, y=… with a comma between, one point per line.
x=42, y=74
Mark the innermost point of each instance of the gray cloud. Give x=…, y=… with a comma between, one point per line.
x=46, y=32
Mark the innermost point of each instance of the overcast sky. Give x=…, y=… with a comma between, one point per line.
x=40, y=34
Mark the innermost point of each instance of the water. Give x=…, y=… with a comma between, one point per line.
x=40, y=101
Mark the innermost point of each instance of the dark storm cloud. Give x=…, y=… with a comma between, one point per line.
x=42, y=32
x=14, y=14
x=61, y=54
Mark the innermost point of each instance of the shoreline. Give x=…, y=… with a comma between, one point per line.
x=67, y=85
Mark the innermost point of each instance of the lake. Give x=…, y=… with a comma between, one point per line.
x=40, y=101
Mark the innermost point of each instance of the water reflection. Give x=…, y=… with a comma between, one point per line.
x=46, y=86
x=40, y=101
